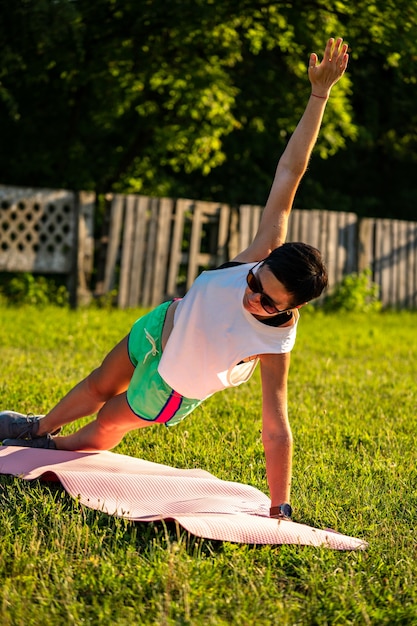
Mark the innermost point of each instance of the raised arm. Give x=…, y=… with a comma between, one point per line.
x=294, y=160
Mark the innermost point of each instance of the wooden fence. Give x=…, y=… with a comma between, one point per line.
x=48, y=231
x=389, y=247
x=157, y=246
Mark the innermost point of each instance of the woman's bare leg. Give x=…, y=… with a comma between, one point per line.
x=113, y=421
x=89, y=396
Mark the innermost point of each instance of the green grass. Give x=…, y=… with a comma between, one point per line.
x=353, y=400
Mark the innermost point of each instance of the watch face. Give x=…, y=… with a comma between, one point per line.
x=286, y=509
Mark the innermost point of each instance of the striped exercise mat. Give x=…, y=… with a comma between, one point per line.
x=143, y=491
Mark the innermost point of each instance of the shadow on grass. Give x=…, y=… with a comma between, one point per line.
x=47, y=501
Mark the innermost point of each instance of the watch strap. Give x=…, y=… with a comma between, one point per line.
x=282, y=511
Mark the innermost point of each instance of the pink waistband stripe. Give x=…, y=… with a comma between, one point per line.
x=171, y=407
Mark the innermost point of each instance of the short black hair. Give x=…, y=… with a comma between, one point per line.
x=300, y=268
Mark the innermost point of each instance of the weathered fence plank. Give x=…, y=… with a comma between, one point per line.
x=84, y=248
x=349, y=237
x=138, y=205
x=194, y=259
x=176, y=247
x=400, y=276
x=126, y=270
x=113, y=247
x=150, y=251
x=411, y=265
x=366, y=234
x=249, y=218
x=381, y=258
x=163, y=236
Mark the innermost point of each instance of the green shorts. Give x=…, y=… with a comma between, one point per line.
x=148, y=395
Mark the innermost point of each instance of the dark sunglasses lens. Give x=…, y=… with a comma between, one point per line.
x=254, y=285
x=253, y=282
x=267, y=304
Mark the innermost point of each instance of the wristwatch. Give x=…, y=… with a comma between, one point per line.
x=282, y=511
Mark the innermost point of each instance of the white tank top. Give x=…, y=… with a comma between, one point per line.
x=213, y=333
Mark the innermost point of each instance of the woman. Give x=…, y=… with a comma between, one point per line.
x=232, y=318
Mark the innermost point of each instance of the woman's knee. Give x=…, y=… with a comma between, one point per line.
x=98, y=387
x=117, y=415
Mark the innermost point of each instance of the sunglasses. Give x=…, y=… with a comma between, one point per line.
x=267, y=303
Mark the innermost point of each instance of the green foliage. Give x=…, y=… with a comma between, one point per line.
x=26, y=288
x=353, y=417
x=197, y=99
x=142, y=96
x=356, y=292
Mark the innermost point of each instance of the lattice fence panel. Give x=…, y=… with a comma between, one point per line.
x=37, y=230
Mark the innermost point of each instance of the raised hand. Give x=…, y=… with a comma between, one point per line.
x=325, y=74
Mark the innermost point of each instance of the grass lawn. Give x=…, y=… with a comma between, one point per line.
x=353, y=405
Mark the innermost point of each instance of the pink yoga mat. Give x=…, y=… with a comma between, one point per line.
x=143, y=491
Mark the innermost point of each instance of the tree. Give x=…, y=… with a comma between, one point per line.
x=137, y=95
x=197, y=98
